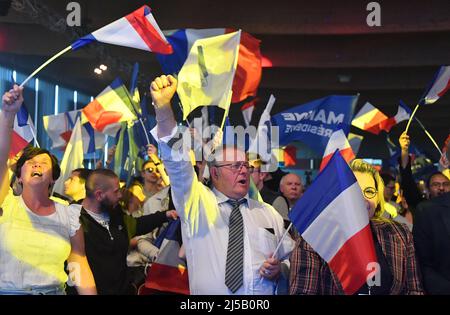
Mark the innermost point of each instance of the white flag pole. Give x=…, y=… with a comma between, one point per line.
x=45, y=64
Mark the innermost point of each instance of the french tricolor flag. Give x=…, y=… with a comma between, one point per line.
x=249, y=68
x=438, y=87
x=23, y=132
x=332, y=218
x=403, y=113
x=169, y=272
x=136, y=30
x=338, y=141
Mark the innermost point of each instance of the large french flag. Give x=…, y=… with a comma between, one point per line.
x=437, y=87
x=403, y=113
x=336, y=223
x=111, y=106
x=169, y=272
x=369, y=118
x=23, y=132
x=136, y=30
x=338, y=141
x=249, y=67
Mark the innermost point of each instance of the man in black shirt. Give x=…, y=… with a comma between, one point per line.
x=107, y=231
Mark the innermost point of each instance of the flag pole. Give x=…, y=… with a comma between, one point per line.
x=411, y=118
x=145, y=131
x=62, y=52
x=279, y=245
x=34, y=136
x=429, y=135
x=281, y=241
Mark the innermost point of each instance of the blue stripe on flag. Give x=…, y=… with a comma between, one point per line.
x=335, y=178
x=134, y=76
x=83, y=41
x=22, y=116
x=116, y=83
x=405, y=107
x=90, y=131
x=169, y=233
x=174, y=62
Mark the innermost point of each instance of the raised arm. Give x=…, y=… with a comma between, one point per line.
x=404, y=145
x=411, y=193
x=162, y=90
x=187, y=192
x=11, y=102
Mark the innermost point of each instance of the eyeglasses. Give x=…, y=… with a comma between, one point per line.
x=370, y=192
x=235, y=167
x=444, y=185
x=149, y=170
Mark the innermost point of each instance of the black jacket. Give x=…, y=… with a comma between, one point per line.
x=410, y=191
x=431, y=232
x=107, y=251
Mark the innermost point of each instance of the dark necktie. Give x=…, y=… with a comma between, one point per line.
x=234, y=272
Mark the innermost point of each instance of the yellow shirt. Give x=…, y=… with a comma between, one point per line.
x=33, y=248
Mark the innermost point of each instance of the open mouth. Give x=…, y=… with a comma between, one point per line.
x=36, y=174
x=242, y=181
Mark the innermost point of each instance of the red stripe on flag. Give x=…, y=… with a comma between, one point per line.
x=325, y=161
x=388, y=124
x=351, y=262
x=290, y=156
x=373, y=125
x=148, y=33
x=441, y=93
x=347, y=154
x=17, y=144
x=99, y=117
x=168, y=279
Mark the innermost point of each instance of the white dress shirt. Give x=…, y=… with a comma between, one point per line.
x=204, y=216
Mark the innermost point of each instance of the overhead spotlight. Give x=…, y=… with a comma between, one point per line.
x=98, y=71
x=344, y=78
x=103, y=67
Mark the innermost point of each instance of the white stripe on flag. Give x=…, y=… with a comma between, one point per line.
x=340, y=220
x=121, y=33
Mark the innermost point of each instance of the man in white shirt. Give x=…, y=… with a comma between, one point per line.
x=229, y=238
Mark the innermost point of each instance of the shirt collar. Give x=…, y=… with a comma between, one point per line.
x=221, y=198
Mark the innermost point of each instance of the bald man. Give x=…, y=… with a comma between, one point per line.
x=291, y=187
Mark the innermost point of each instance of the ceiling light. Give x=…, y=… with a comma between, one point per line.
x=98, y=71
x=344, y=78
x=103, y=67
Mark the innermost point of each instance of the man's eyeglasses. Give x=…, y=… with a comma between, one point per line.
x=444, y=185
x=370, y=192
x=235, y=167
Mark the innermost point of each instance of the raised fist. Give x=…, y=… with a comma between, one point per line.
x=12, y=100
x=162, y=90
x=404, y=141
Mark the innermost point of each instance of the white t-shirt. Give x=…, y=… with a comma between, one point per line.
x=33, y=248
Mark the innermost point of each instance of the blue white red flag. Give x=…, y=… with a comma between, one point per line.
x=249, y=67
x=169, y=272
x=23, y=132
x=136, y=30
x=437, y=87
x=336, y=223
